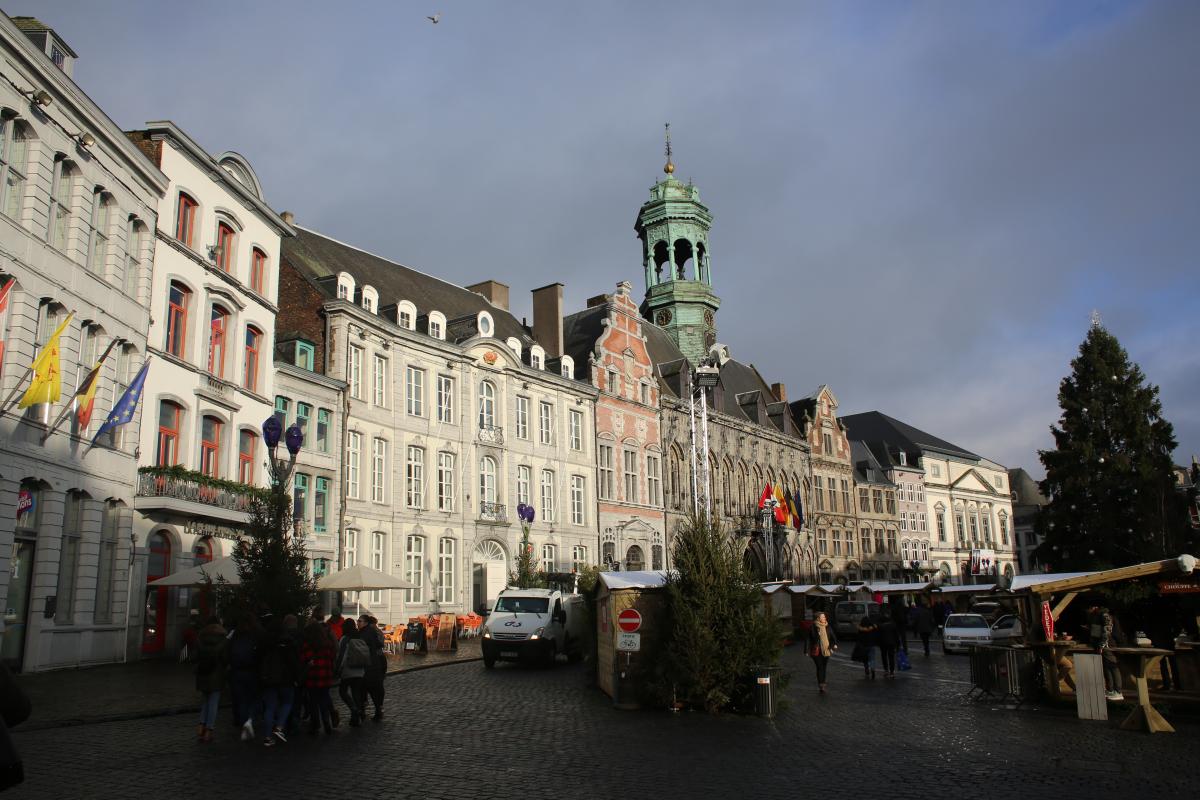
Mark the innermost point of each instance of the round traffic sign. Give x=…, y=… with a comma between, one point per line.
x=629, y=620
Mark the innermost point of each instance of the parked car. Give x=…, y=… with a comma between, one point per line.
x=989, y=610
x=848, y=613
x=963, y=630
x=1008, y=630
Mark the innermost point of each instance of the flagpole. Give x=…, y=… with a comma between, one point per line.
x=37, y=357
x=71, y=406
x=8, y=401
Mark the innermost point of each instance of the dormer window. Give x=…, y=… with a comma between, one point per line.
x=345, y=286
x=370, y=299
x=484, y=322
x=514, y=344
x=537, y=357
x=406, y=315
x=903, y=459
x=567, y=366
x=437, y=325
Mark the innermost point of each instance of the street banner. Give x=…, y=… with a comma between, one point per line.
x=1047, y=620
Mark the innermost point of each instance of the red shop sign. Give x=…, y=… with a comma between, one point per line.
x=1047, y=621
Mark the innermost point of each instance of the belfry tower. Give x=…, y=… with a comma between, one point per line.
x=673, y=226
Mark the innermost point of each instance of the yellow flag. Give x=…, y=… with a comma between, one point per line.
x=46, y=386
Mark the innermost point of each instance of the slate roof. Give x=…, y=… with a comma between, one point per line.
x=867, y=468
x=873, y=426
x=1022, y=484
x=320, y=258
x=580, y=332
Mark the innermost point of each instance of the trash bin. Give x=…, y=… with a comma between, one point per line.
x=766, y=679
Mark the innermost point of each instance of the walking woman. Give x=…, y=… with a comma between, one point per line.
x=212, y=661
x=864, y=648
x=377, y=669
x=316, y=656
x=822, y=641
x=353, y=658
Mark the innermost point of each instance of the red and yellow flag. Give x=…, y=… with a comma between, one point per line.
x=781, y=507
x=46, y=386
x=86, y=396
x=764, y=497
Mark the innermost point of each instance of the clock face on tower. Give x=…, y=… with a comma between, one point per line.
x=663, y=317
x=709, y=319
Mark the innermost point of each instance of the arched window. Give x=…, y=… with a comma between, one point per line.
x=487, y=405
x=247, y=445
x=258, y=270
x=487, y=480
x=210, y=446
x=218, y=322
x=634, y=558
x=98, y=248
x=185, y=219
x=202, y=551
x=178, y=299
x=537, y=357
x=226, y=244
x=253, y=347
x=14, y=160
x=60, y=203
x=437, y=325
x=406, y=315
x=135, y=239
x=904, y=550
x=567, y=367
x=169, y=417
x=370, y=299
x=345, y=286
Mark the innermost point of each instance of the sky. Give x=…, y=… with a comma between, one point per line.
x=917, y=203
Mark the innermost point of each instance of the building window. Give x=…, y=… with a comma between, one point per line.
x=378, y=469
x=864, y=539
x=134, y=239
x=644, y=393
x=247, y=445
x=575, y=430
x=218, y=321
x=169, y=415
x=940, y=517
x=904, y=551
x=353, y=462
x=321, y=505
x=985, y=519
x=379, y=374
x=879, y=548
x=68, y=557
x=656, y=556
x=210, y=446
x=300, y=500
x=14, y=162
x=435, y=329
x=524, y=477
x=819, y=492
x=921, y=520
x=535, y=360
x=832, y=494
x=446, y=570
x=258, y=270
x=253, y=345
x=303, y=415
x=606, y=472
x=415, y=478
x=630, y=474
x=822, y=542
x=282, y=404
x=974, y=522
x=579, y=557
x=414, y=558
x=60, y=204
x=306, y=356
x=351, y=548
x=445, y=398
x=324, y=416
x=106, y=569
x=354, y=372
x=608, y=551
x=487, y=405
x=864, y=500
x=654, y=481
x=890, y=501
x=548, y=513
x=891, y=539
x=635, y=560
x=522, y=417
x=226, y=242
x=546, y=423
x=935, y=470
x=577, y=500
x=487, y=479
x=98, y=250
x=185, y=219
x=613, y=387
x=445, y=480
x=178, y=298
x=378, y=545
x=846, y=507
x=903, y=520
x=827, y=441
x=549, y=558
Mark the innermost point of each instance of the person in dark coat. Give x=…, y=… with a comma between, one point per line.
x=822, y=642
x=924, y=624
x=245, y=652
x=887, y=635
x=368, y=628
x=864, y=648
x=349, y=671
x=316, y=657
x=280, y=667
x=212, y=665
x=900, y=618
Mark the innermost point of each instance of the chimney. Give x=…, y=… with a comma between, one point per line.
x=287, y=217
x=780, y=392
x=548, y=318
x=598, y=300
x=494, y=291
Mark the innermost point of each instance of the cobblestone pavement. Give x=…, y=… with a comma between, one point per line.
x=461, y=731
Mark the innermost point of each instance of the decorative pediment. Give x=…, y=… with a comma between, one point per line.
x=972, y=481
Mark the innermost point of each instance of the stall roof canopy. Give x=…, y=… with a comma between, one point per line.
x=1078, y=581
x=900, y=588
x=645, y=579
x=1025, y=581
x=979, y=587
x=772, y=588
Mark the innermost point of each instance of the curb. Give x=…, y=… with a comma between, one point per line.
x=191, y=709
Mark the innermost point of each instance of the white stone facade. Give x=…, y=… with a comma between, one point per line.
x=969, y=509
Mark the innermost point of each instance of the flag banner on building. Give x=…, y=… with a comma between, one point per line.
x=122, y=412
x=46, y=386
x=85, y=395
x=794, y=510
x=4, y=292
x=782, y=515
x=764, y=497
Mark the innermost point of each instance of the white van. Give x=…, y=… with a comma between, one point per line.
x=534, y=624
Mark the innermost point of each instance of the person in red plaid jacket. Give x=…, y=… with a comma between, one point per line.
x=316, y=659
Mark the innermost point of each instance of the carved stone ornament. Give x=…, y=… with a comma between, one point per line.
x=709, y=319
x=490, y=357
x=619, y=424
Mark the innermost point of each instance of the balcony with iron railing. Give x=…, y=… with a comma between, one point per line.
x=493, y=512
x=491, y=434
x=193, y=493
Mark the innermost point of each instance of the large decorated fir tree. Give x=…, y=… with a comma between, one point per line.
x=1109, y=479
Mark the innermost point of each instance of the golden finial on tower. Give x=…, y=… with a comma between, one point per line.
x=669, y=168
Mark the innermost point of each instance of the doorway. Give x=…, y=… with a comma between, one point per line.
x=489, y=574
x=16, y=609
x=154, y=623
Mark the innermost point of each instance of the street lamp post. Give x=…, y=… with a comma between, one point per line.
x=281, y=470
x=704, y=377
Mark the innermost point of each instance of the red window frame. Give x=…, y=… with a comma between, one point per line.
x=177, y=318
x=258, y=270
x=185, y=219
x=225, y=241
x=253, y=342
x=210, y=447
x=218, y=321
x=168, y=435
x=247, y=444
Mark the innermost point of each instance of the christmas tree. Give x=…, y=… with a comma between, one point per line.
x=1110, y=479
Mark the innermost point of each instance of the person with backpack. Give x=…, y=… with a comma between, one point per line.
x=277, y=678
x=212, y=661
x=377, y=670
x=244, y=656
x=316, y=659
x=353, y=658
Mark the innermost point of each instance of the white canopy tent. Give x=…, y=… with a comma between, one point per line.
x=361, y=578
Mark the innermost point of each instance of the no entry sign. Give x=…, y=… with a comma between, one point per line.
x=629, y=620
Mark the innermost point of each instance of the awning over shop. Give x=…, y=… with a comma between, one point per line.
x=1081, y=581
x=900, y=588
x=979, y=588
x=644, y=579
x=1026, y=581
x=222, y=570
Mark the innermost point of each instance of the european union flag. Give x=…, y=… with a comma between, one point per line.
x=122, y=412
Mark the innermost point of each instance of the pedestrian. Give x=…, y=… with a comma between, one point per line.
x=335, y=625
x=887, y=636
x=377, y=669
x=864, y=648
x=244, y=655
x=1105, y=637
x=822, y=641
x=924, y=624
x=316, y=659
x=15, y=708
x=212, y=662
x=277, y=679
x=353, y=657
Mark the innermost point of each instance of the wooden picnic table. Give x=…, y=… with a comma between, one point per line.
x=1052, y=654
x=1138, y=661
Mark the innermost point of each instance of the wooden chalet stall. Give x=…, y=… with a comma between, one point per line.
x=777, y=600
x=617, y=665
